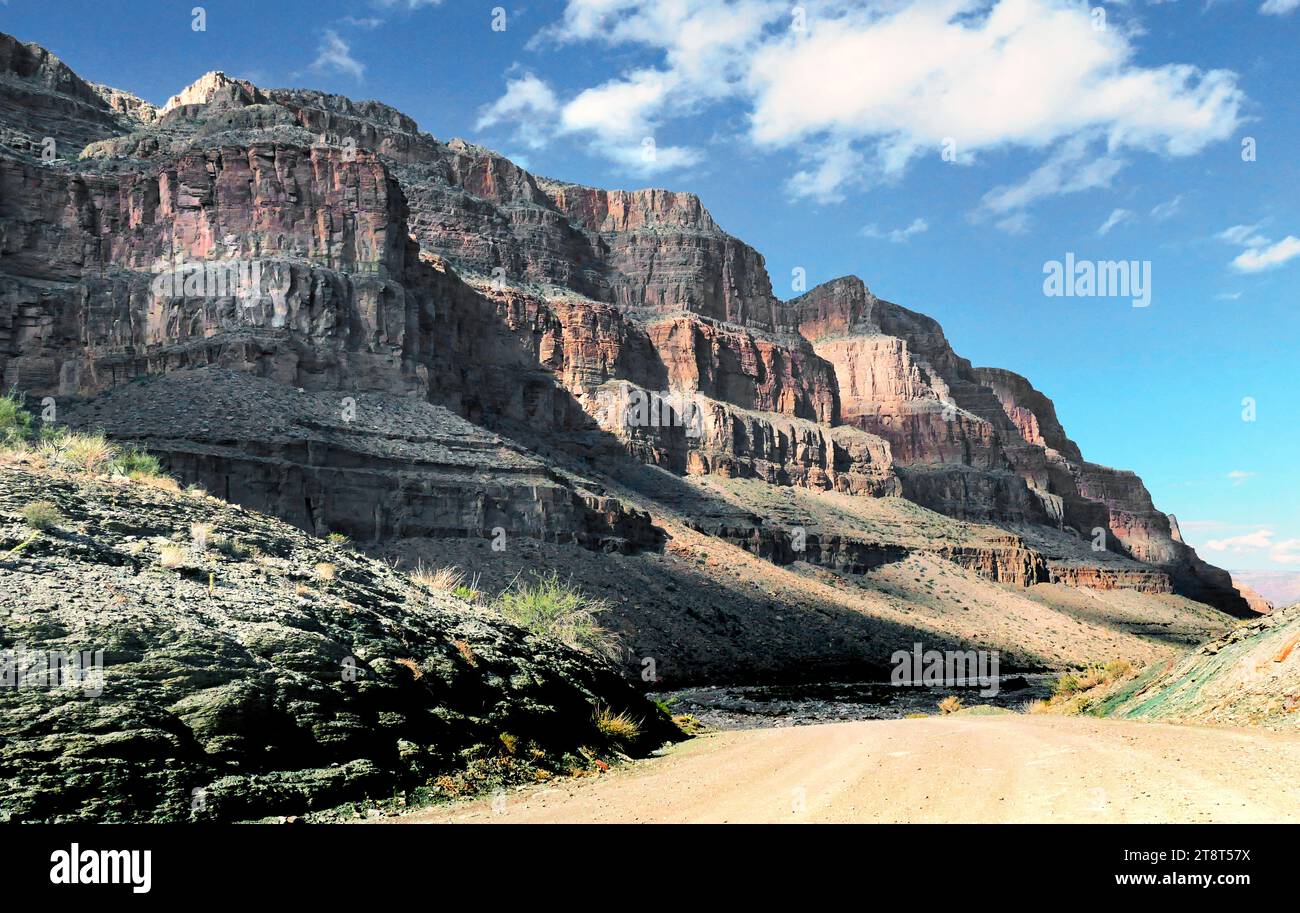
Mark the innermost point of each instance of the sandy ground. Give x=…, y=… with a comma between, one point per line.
x=1012, y=768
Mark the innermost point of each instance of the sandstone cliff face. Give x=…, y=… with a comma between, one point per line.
x=397, y=264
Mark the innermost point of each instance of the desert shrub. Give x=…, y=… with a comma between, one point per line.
x=338, y=539
x=41, y=515
x=325, y=571
x=467, y=593
x=133, y=461
x=200, y=535
x=78, y=451
x=443, y=579
x=617, y=726
x=688, y=724
x=547, y=606
x=171, y=556
x=15, y=421
x=230, y=547
x=950, y=704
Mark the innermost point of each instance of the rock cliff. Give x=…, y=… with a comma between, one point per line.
x=505, y=341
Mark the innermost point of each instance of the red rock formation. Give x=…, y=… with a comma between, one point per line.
x=397, y=263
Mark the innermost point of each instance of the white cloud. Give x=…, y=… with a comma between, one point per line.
x=1168, y=209
x=869, y=86
x=1258, y=259
x=1117, y=217
x=1279, y=7
x=1239, y=476
x=1244, y=235
x=335, y=56
x=1286, y=552
x=1069, y=169
x=1248, y=542
x=406, y=4
x=530, y=104
x=897, y=235
x=1261, y=253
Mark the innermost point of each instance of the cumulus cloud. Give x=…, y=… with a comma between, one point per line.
x=529, y=104
x=335, y=56
x=862, y=88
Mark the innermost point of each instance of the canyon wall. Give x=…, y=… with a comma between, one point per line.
x=361, y=255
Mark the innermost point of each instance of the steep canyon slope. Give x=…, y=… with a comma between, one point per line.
x=314, y=309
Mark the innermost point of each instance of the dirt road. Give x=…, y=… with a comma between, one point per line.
x=944, y=769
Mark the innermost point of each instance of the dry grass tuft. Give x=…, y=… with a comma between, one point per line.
x=325, y=571
x=617, y=726
x=443, y=579
x=171, y=556
x=466, y=651
x=950, y=704
x=200, y=535
x=42, y=515
x=412, y=666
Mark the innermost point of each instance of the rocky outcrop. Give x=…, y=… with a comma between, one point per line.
x=1247, y=677
x=277, y=675
x=371, y=466
x=47, y=110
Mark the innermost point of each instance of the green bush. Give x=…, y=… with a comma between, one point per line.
x=134, y=461
x=15, y=421
x=42, y=515
x=547, y=606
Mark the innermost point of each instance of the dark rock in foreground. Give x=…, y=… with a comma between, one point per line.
x=268, y=673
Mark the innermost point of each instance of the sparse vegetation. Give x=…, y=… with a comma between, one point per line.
x=171, y=556
x=325, y=571
x=617, y=726
x=41, y=515
x=15, y=421
x=443, y=579
x=200, y=535
x=688, y=724
x=231, y=547
x=76, y=451
x=466, y=651
x=133, y=463
x=82, y=452
x=338, y=539
x=950, y=704
x=1078, y=691
x=547, y=606
x=412, y=666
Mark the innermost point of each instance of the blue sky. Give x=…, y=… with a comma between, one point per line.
x=943, y=150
